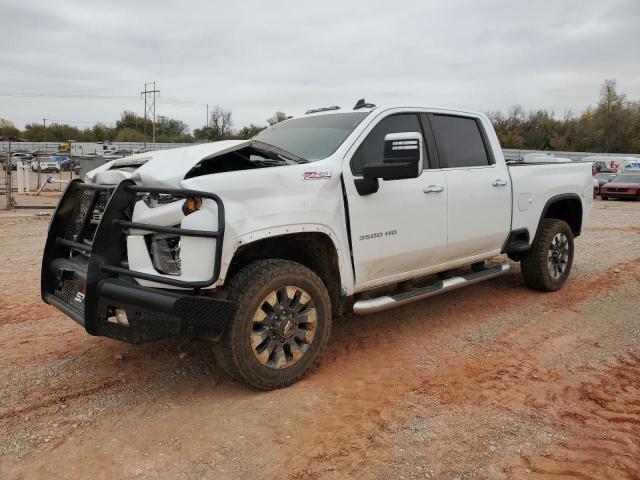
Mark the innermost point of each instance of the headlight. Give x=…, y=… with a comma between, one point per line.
x=165, y=253
x=155, y=199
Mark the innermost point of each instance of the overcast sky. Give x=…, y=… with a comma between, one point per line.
x=256, y=57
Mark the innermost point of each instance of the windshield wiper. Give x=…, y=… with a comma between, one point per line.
x=291, y=161
x=283, y=154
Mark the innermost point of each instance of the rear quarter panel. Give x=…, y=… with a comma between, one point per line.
x=535, y=184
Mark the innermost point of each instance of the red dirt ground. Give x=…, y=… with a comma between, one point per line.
x=493, y=381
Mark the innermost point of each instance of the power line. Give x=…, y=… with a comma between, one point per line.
x=90, y=96
x=80, y=96
x=180, y=103
x=71, y=121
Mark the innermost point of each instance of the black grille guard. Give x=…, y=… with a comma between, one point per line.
x=85, y=275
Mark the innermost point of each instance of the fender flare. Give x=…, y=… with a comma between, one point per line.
x=555, y=199
x=248, y=238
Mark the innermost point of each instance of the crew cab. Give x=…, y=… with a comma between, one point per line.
x=258, y=244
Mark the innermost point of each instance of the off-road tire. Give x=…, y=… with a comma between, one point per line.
x=534, y=264
x=247, y=290
x=230, y=370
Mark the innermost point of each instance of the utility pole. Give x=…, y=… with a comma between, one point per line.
x=44, y=125
x=207, y=117
x=149, y=97
x=7, y=180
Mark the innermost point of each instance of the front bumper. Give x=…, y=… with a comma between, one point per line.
x=619, y=194
x=86, y=276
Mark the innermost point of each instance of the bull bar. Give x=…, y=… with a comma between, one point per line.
x=85, y=271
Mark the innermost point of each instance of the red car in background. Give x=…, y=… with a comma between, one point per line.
x=625, y=185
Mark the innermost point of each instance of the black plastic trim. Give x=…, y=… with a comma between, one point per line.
x=557, y=198
x=518, y=241
x=366, y=186
x=391, y=171
x=430, y=140
x=520, y=163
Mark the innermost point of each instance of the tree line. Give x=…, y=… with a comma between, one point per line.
x=134, y=128
x=613, y=125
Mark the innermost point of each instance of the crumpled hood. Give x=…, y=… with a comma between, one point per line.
x=161, y=167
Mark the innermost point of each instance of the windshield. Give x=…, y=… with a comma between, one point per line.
x=312, y=138
x=626, y=178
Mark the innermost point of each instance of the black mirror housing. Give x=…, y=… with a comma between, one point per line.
x=390, y=171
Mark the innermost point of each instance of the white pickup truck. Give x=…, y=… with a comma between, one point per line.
x=259, y=244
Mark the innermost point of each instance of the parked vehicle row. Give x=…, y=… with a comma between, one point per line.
x=53, y=163
x=613, y=164
x=624, y=185
x=59, y=162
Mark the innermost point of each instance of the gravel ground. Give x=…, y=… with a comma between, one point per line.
x=493, y=381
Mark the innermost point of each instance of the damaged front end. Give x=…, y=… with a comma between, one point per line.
x=86, y=275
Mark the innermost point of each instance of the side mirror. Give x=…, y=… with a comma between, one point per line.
x=402, y=158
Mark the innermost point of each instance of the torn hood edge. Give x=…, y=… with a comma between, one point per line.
x=162, y=168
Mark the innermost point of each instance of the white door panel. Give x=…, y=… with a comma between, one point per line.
x=400, y=228
x=479, y=210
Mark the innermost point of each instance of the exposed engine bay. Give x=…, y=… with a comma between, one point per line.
x=255, y=155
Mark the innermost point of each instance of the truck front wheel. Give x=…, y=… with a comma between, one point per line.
x=547, y=264
x=282, y=323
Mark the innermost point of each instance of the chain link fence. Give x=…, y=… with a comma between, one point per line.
x=56, y=181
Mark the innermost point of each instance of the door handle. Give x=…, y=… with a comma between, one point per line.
x=498, y=182
x=433, y=189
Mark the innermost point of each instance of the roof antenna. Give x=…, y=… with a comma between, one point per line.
x=362, y=104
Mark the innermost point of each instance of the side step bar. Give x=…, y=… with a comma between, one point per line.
x=389, y=301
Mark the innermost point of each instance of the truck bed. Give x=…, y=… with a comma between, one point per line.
x=534, y=184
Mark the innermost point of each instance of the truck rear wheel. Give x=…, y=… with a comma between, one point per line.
x=282, y=323
x=547, y=264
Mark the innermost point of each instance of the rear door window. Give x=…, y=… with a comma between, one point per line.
x=459, y=141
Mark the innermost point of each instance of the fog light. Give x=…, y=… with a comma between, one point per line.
x=192, y=204
x=121, y=317
x=165, y=254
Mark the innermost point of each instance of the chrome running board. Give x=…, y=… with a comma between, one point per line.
x=389, y=301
